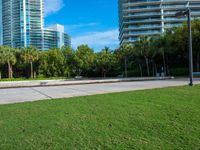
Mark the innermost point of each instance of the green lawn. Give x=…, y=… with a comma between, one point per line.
x=152, y=119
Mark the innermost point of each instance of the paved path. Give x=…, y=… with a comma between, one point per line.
x=42, y=83
x=16, y=95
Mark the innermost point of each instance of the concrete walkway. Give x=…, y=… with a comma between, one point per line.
x=16, y=95
x=42, y=83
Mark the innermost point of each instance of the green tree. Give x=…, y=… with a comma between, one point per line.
x=52, y=63
x=30, y=55
x=69, y=55
x=8, y=56
x=196, y=41
x=2, y=59
x=174, y=44
x=143, y=46
x=105, y=60
x=84, y=59
x=124, y=53
x=159, y=47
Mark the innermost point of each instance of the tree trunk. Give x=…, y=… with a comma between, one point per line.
x=153, y=68
x=198, y=61
x=68, y=74
x=167, y=66
x=104, y=75
x=11, y=72
x=31, y=63
x=140, y=70
x=125, y=65
x=147, y=64
x=79, y=72
x=164, y=63
x=35, y=74
x=156, y=70
x=9, y=68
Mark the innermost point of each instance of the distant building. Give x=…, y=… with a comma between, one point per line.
x=55, y=37
x=151, y=17
x=22, y=25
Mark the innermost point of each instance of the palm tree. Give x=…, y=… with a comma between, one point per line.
x=2, y=58
x=196, y=41
x=143, y=46
x=8, y=56
x=160, y=44
x=136, y=54
x=105, y=60
x=124, y=52
x=30, y=55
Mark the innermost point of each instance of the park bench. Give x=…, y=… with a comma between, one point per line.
x=120, y=76
x=43, y=83
x=78, y=77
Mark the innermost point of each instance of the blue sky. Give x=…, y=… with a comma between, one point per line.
x=92, y=22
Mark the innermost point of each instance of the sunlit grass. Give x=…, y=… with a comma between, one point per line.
x=152, y=119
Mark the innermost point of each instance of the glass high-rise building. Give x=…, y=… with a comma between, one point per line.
x=151, y=17
x=22, y=24
x=54, y=37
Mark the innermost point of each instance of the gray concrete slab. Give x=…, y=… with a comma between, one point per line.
x=19, y=95
x=16, y=95
x=43, y=83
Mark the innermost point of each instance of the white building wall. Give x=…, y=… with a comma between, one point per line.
x=60, y=29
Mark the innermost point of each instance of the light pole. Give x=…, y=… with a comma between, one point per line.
x=187, y=13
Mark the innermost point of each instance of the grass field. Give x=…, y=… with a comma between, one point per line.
x=152, y=119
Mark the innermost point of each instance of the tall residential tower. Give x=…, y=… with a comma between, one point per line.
x=22, y=24
x=151, y=17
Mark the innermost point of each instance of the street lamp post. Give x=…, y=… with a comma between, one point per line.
x=179, y=15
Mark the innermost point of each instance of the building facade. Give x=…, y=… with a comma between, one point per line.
x=55, y=37
x=151, y=17
x=22, y=24
x=1, y=34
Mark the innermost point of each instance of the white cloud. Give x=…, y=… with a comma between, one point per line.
x=52, y=6
x=97, y=40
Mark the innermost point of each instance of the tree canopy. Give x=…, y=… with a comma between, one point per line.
x=165, y=54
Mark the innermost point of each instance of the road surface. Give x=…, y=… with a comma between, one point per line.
x=16, y=95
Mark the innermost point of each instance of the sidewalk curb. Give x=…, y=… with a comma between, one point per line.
x=46, y=83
